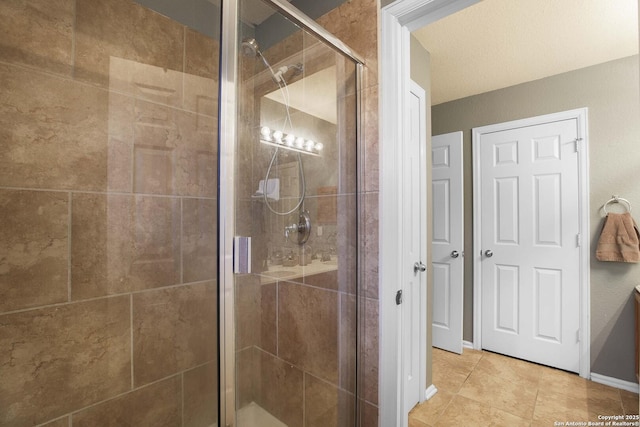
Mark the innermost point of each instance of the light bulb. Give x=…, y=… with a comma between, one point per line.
x=299, y=142
x=310, y=145
x=265, y=132
x=319, y=146
x=277, y=136
x=289, y=139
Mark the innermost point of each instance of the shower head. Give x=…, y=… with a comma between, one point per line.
x=250, y=47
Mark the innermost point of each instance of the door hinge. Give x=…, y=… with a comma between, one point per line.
x=577, y=142
x=399, y=297
x=578, y=240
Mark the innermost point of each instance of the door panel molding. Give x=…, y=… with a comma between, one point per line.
x=543, y=149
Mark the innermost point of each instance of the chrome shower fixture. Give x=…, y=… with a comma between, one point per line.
x=278, y=75
x=250, y=47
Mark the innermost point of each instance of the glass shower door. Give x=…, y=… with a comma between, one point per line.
x=296, y=198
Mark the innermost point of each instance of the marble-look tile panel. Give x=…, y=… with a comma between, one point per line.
x=370, y=236
x=428, y=413
x=247, y=307
x=38, y=33
x=173, y=330
x=327, y=279
x=120, y=142
x=199, y=239
x=57, y=359
x=504, y=383
x=268, y=315
x=123, y=29
x=123, y=243
x=369, y=350
x=145, y=82
x=348, y=344
x=53, y=132
x=201, y=55
x=467, y=412
x=34, y=247
x=175, y=152
x=370, y=141
x=247, y=379
x=576, y=386
x=350, y=167
x=281, y=389
x=326, y=405
x=201, y=396
x=451, y=370
x=157, y=405
x=61, y=422
x=629, y=402
x=308, y=329
x=567, y=396
x=368, y=414
x=201, y=98
x=348, y=244
x=356, y=23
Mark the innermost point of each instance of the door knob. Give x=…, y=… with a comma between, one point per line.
x=454, y=254
x=418, y=266
x=488, y=253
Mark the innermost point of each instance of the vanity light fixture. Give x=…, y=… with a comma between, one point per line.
x=290, y=142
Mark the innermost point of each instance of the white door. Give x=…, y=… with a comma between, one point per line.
x=529, y=244
x=414, y=242
x=447, y=266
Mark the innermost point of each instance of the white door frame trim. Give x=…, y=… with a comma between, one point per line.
x=397, y=20
x=583, y=211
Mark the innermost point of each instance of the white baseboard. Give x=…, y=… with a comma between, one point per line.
x=430, y=392
x=467, y=344
x=615, y=382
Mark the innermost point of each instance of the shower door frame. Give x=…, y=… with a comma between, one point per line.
x=226, y=174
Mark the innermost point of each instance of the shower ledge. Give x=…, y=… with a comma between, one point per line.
x=278, y=272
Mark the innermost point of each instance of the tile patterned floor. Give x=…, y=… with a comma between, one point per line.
x=480, y=388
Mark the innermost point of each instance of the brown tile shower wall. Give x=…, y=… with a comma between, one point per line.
x=108, y=147
x=356, y=23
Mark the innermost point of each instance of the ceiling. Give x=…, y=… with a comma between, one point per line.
x=500, y=43
x=256, y=12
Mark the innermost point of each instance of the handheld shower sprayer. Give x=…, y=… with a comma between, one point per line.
x=297, y=69
x=250, y=48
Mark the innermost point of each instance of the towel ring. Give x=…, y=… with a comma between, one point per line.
x=616, y=199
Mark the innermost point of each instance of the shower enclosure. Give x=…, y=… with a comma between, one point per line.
x=179, y=209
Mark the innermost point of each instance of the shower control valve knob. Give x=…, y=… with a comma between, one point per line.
x=302, y=228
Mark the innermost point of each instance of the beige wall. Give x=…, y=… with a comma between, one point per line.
x=421, y=74
x=611, y=93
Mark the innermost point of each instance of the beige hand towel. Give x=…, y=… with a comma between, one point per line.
x=619, y=239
